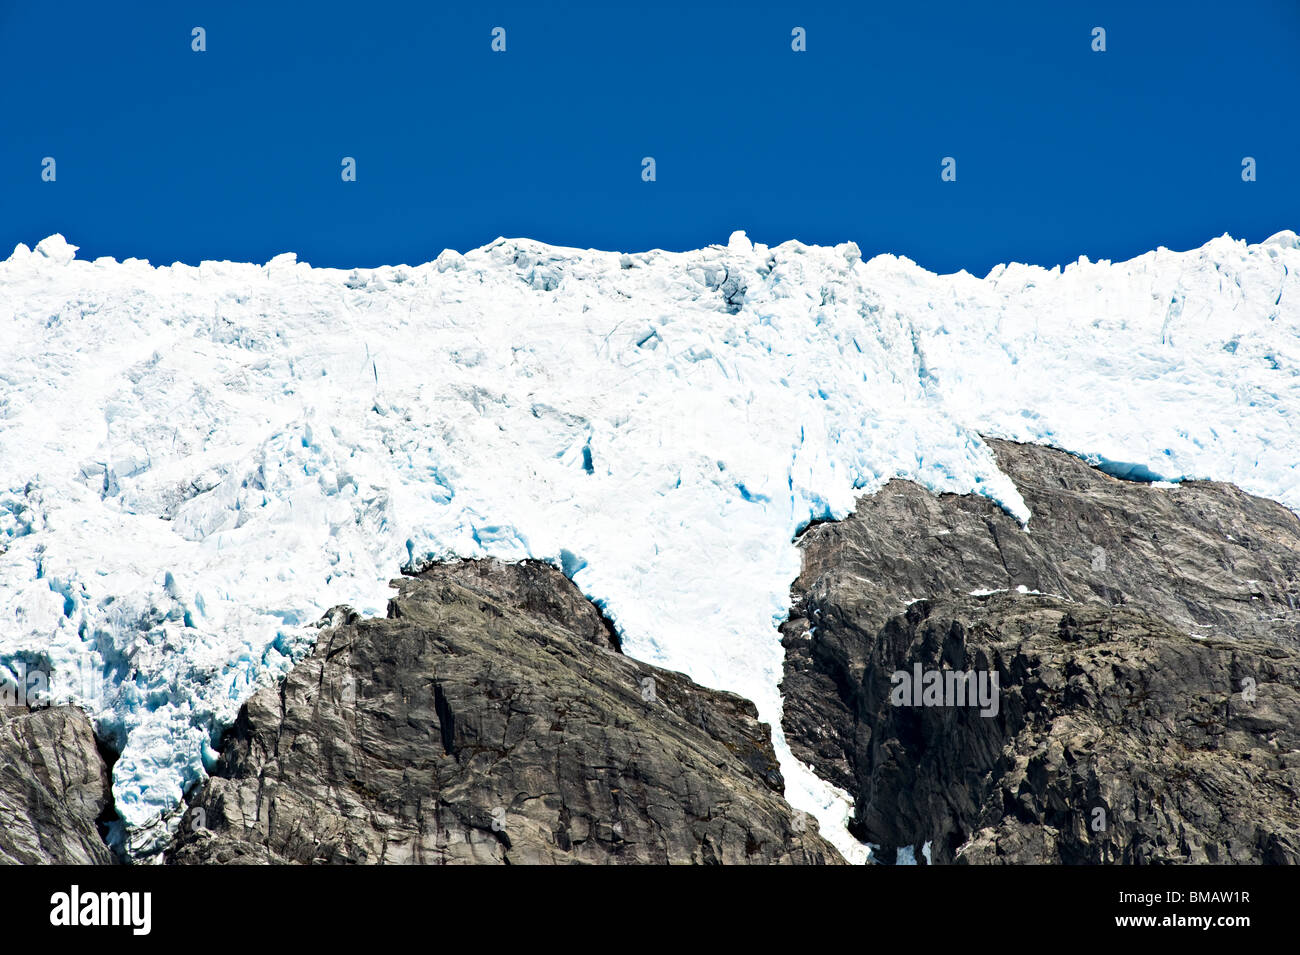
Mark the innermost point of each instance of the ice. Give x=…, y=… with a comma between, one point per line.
x=906, y=855
x=197, y=462
x=56, y=249
x=1286, y=239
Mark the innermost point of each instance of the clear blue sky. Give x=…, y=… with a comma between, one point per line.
x=168, y=154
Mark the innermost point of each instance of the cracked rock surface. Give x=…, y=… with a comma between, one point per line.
x=54, y=785
x=1149, y=696
x=1116, y=740
x=491, y=719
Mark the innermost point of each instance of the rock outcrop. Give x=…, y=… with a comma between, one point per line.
x=54, y=787
x=491, y=719
x=1115, y=738
x=1149, y=695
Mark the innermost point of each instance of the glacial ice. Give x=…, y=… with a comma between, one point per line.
x=197, y=461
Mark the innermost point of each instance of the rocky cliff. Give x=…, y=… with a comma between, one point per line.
x=491, y=719
x=54, y=787
x=1146, y=642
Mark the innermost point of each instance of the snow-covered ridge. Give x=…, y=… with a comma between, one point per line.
x=196, y=462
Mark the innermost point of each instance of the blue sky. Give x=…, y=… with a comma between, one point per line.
x=172, y=155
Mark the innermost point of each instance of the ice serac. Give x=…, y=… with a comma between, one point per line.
x=1146, y=642
x=490, y=718
x=197, y=461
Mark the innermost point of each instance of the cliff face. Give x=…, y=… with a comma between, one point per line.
x=54, y=785
x=1114, y=739
x=1148, y=697
x=490, y=718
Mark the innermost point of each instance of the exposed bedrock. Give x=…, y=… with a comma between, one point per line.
x=1148, y=697
x=54, y=788
x=491, y=719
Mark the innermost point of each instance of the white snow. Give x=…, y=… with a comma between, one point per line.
x=196, y=462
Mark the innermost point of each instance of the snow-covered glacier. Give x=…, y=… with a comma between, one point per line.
x=196, y=462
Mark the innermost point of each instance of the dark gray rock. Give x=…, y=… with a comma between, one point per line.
x=54, y=787
x=490, y=718
x=1116, y=739
x=1117, y=686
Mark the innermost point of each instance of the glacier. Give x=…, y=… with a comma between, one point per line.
x=197, y=461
